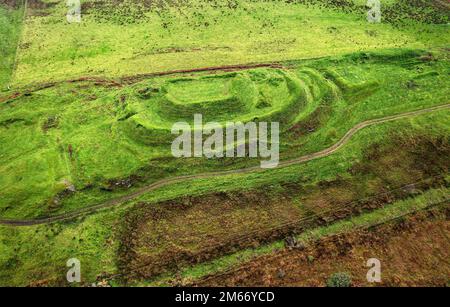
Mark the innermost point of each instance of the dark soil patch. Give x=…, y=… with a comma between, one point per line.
x=122, y=184
x=174, y=233
x=345, y=5
x=164, y=237
x=413, y=251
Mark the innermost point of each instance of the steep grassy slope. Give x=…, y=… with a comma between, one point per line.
x=81, y=144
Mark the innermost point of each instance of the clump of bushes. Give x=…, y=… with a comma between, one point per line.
x=339, y=280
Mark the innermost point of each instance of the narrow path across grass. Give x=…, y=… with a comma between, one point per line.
x=164, y=182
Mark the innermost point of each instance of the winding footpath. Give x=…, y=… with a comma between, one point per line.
x=254, y=169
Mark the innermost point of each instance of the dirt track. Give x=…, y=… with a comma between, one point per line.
x=165, y=182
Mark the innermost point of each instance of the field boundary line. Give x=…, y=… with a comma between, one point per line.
x=132, y=79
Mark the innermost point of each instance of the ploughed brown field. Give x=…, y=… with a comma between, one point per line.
x=414, y=251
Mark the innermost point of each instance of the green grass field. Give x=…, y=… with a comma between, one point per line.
x=91, y=138
x=116, y=40
x=85, y=123
x=10, y=28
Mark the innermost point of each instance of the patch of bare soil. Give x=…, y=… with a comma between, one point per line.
x=414, y=251
x=171, y=234
x=164, y=237
x=38, y=4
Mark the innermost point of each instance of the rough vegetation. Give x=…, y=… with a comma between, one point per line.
x=167, y=236
x=410, y=244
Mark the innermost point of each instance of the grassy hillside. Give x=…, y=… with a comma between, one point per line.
x=39, y=252
x=11, y=16
x=129, y=37
x=81, y=144
x=86, y=123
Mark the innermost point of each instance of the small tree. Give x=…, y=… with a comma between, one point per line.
x=341, y=280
